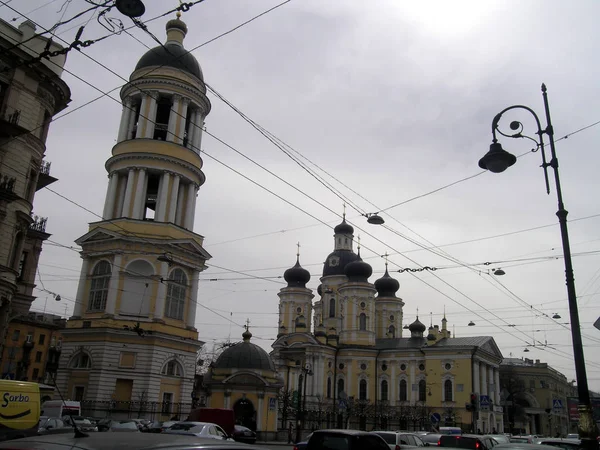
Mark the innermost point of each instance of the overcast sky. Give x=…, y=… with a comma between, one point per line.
x=394, y=100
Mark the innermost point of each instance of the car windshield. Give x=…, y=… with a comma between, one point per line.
x=183, y=426
x=124, y=425
x=240, y=428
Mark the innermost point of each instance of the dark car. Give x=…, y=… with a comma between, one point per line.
x=345, y=440
x=399, y=441
x=565, y=444
x=129, y=441
x=468, y=441
x=302, y=444
x=243, y=434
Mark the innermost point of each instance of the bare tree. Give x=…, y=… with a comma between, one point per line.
x=207, y=356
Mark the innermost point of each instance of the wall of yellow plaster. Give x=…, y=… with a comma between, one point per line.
x=161, y=148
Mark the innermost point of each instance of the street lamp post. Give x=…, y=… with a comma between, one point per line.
x=498, y=160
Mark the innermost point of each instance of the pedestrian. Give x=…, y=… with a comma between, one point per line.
x=479, y=431
x=290, y=433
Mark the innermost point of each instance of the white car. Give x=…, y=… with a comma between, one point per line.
x=199, y=429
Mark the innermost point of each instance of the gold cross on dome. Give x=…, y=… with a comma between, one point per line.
x=247, y=324
x=298, y=252
x=386, y=259
x=344, y=210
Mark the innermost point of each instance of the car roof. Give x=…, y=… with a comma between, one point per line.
x=568, y=441
x=131, y=441
x=346, y=432
x=524, y=446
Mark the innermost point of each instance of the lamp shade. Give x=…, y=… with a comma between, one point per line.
x=497, y=159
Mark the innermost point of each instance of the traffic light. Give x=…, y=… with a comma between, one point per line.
x=474, y=401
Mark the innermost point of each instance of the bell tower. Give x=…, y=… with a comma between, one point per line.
x=135, y=311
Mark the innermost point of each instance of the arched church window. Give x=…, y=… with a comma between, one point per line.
x=328, y=387
x=172, y=369
x=176, y=294
x=392, y=331
x=332, y=307
x=99, y=286
x=362, y=390
x=340, y=387
x=384, y=390
x=80, y=361
x=403, y=391
x=362, y=322
x=448, y=390
x=422, y=391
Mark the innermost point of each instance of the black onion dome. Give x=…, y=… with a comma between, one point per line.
x=417, y=326
x=337, y=261
x=344, y=228
x=171, y=55
x=245, y=355
x=296, y=276
x=320, y=289
x=387, y=286
x=358, y=271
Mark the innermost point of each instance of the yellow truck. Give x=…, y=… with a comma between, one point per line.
x=19, y=409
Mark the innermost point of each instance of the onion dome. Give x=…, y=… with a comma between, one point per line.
x=337, y=261
x=344, y=228
x=172, y=54
x=387, y=286
x=297, y=276
x=417, y=327
x=320, y=330
x=320, y=289
x=358, y=271
x=245, y=355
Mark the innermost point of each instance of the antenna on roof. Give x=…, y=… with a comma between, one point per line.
x=78, y=432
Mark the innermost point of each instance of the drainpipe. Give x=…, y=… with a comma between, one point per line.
x=376, y=387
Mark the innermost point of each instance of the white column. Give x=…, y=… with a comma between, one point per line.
x=192, y=130
x=132, y=117
x=151, y=118
x=161, y=294
x=181, y=120
x=484, y=385
x=259, y=413
x=120, y=195
x=199, y=122
x=349, y=381
x=173, y=118
x=138, y=202
x=109, y=203
x=128, y=193
x=161, y=202
x=180, y=205
x=190, y=207
x=113, y=285
x=491, y=387
x=191, y=318
x=173, y=200
x=497, y=384
x=142, y=120
x=476, y=385
x=413, y=393
x=393, y=387
x=80, y=300
x=125, y=118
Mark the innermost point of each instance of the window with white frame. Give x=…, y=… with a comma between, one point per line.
x=403, y=390
x=176, y=294
x=362, y=390
x=448, y=391
x=99, y=286
x=81, y=361
x=172, y=369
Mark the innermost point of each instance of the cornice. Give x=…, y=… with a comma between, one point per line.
x=151, y=156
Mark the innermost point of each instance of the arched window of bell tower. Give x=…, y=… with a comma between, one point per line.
x=163, y=112
x=362, y=321
x=332, y=307
x=176, y=294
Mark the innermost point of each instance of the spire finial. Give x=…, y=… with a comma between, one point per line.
x=178, y=13
x=386, y=260
x=444, y=312
x=247, y=326
x=344, y=215
x=298, y=251
x=246, y=335
x=417, y=313
x=430, y=319
x=358, y=244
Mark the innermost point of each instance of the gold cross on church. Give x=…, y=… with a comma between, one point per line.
x=247, y=326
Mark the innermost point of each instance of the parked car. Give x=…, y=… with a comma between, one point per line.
x=573, y=436
x=565, y=444
x=522, y=446
x=199, y=429
x=123, y=426
x=243, y=434
x=523, y=439
x=399, y=441
x=82, y=423
x=468, y=441
x=129, y=441
x=53, y=425
x=500, y=438
x=302, y=444
x=430, y=438
x=345, y=440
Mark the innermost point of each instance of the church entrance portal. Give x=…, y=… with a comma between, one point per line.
x=245, y=414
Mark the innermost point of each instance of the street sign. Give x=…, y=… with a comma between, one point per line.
x=342, y=404
x=435, y=418
x=557, y=404
x=272, y=403
x=484, y=402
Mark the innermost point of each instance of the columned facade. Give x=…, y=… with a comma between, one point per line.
x=132, y=336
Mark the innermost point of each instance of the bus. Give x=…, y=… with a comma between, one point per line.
x=19, y=409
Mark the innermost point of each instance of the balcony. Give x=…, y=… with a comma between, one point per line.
x=37, y=228
x=44, y=178
x=9, y=123
x=7, y=188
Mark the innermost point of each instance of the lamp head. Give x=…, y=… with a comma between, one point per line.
x=497, y=160
x=130, y=8
x=375, y=219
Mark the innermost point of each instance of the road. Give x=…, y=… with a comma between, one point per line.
x=273, y=446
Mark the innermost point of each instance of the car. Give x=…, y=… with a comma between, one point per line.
x=243, y=434
x=53, y=425
x=399, y=441
x=522, y=446
x=573, y=436
x=129, y=441
x=82, y=423
x=345, y=440
x=565, y=444
x=123, y=426
x=430, y=438
x=523, y=439
x=500, y=438
x=199, y=429
x=469, y=441
x=302, y=444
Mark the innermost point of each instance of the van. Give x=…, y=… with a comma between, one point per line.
x=61, y=408
x=19, y=409
x=225, y=418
